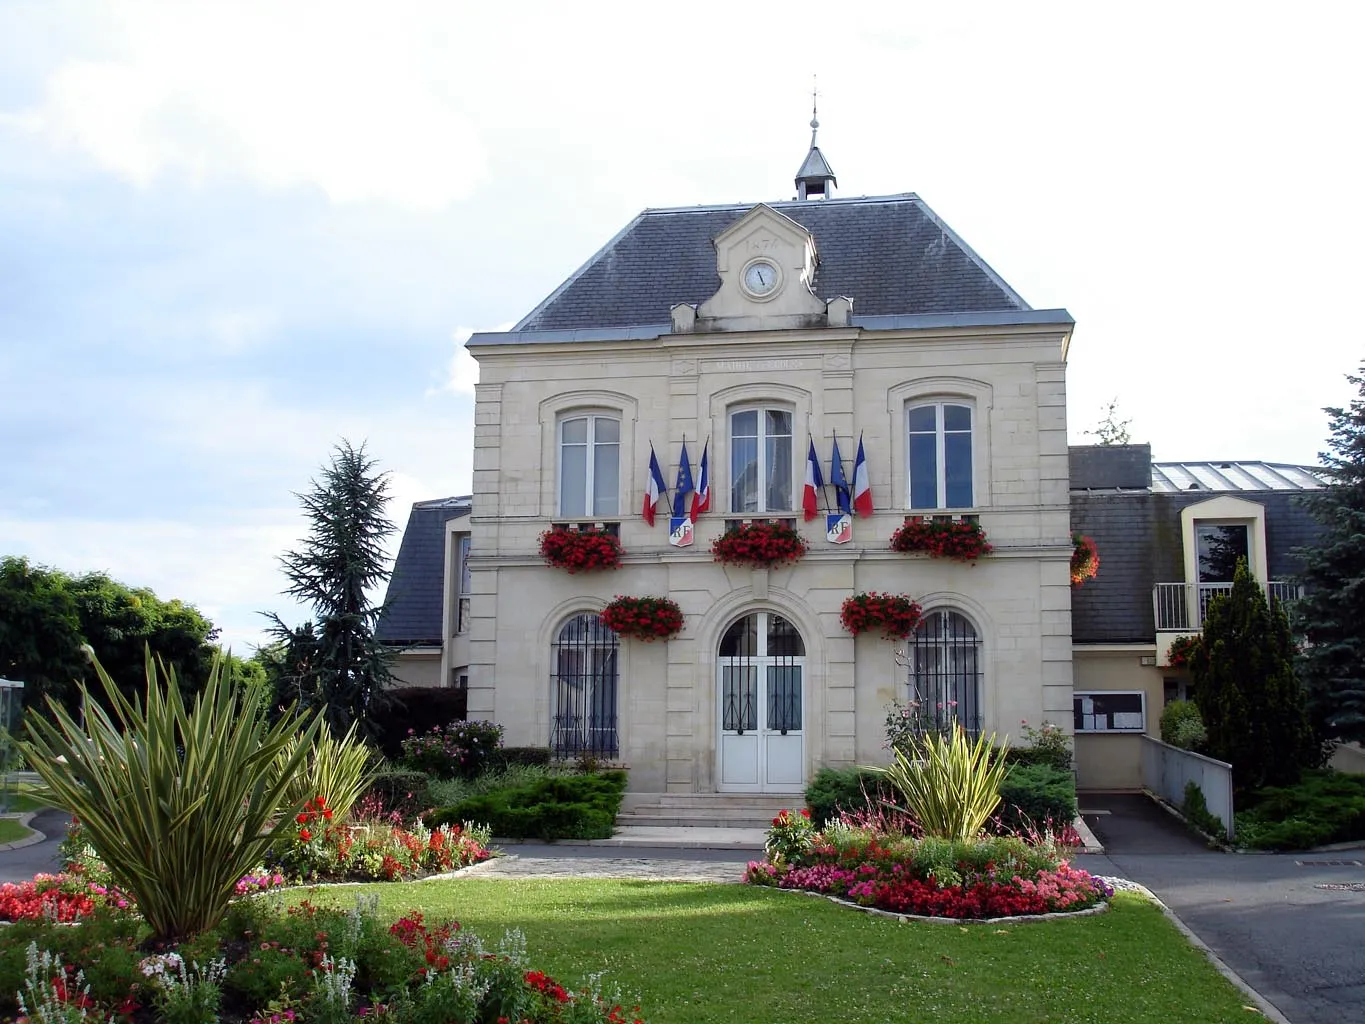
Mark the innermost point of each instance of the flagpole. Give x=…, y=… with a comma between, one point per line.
x=824, y=498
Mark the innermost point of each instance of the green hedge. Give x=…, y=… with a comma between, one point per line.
x=844, y=789
x=1325, y=806
x=562, y=807
x=1033, y=793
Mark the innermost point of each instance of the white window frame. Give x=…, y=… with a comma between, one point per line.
x=1124, y=730
x=940, y=452
x=761, y=409
x=592, y=417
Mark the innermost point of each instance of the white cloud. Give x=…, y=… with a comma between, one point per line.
x=284, y=95
x=464, y=369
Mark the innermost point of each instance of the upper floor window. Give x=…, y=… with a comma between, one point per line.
x=761, y=460
x=590, y=466
x=462, y=606
x=940, y=455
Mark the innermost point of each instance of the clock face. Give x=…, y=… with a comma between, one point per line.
x=760, y=277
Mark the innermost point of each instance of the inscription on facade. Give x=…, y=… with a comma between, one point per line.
x=758, y=365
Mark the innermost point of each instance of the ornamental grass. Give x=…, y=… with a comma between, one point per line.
x=895, y=616
x=958, y=539
x=949, y=784
x=580, y=550
x=758, y=544
x=644, y=618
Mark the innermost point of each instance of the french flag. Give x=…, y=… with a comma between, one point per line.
x=701, y=497
x=813, y=481
x=862, y=490
x=654, y=488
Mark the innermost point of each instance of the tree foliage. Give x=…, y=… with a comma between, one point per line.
x=1248, y=694
x=1331, y=613
x=46, y=615
x=1111, y=429
x=333, y=662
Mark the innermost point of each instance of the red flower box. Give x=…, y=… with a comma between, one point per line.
x=580, y=550
x=758, y=544
x=644, y=618
x=1085, y=559
x=895, y=615
x=1182, y=651
x=961, y=539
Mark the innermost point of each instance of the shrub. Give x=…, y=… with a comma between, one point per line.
x=1047, y=744
x=459, y=750
x=1033, y=794
x=558, y=807
x=1182, y=726
x=413, y=709
x=952, y=786
x=1197, y=813
x=397, y=790
x=507, y=757
x=837, y=790
x=1326, y=806
x=338, y=769
x=179, y=803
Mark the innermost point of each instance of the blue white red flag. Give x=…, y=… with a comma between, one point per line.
x=701, y=497
x=862, y=490
x=814, y=481
x=654, y=488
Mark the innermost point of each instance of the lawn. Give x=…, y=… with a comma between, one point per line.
x=11, y=831
x=709, y=953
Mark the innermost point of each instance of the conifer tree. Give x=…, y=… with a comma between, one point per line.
x=1331, y=613
x=1248, y=694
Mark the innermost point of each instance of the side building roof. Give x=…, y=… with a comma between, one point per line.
x=414, y=601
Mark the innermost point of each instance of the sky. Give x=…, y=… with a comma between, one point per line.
x=232, y=234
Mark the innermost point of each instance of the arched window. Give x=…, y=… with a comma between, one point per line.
x=939, y=452
x=760, y=460
x=945, y=670
x=586, y=677
x=590, y=465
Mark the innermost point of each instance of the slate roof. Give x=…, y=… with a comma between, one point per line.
x=889, y=254
x=1137, y=532
x=413, y=604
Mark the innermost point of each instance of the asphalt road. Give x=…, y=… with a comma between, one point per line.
x=22, y=864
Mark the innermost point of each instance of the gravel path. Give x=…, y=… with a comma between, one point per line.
x=518, y=866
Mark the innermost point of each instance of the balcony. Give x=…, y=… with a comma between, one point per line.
x=1181, y=607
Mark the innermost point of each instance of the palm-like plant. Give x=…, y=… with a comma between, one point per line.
x=949, y=784
x=179, y=802
x=338, y=769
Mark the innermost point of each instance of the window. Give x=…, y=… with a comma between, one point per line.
x=944, y=662
x=1110, y=711
x=584, y=661
x=761, y=460
x=1218, y=546
x=939, y=455
x=462, y=594
x=590, y=466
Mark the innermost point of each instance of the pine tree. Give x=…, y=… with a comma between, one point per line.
x=1331, y=613
x=1248, y=694
x=335, y=662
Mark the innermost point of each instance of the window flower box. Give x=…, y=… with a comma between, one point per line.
x=894, y=615
x=1085, y=559
x=758, y=544
x=644, y=618
x=1182, y=651
x=580, y=550
x=961, y=539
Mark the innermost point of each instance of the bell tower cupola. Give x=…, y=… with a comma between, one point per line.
x=815, y=179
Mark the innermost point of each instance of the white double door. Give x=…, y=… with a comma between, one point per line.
x=760, y=677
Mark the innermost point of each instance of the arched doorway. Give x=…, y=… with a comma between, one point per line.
x=760, y=693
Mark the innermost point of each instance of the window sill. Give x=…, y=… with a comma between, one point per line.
x=611, y=526
x=735, y=522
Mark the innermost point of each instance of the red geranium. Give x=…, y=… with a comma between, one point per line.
x=1085, y=559
x=580, y=550
x=895, y=615
x=962, y=539
x=758, y=543
x=644, y=618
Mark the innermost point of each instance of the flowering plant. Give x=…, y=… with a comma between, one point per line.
x=1183, y=650
x=961, y=539
x=758, y=543
x=791, y=835
x=580, y=550
x=645, y=618
x=1085, y=559
x=894, y=614
x=459, y=750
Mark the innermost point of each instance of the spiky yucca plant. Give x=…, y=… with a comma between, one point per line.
x=950, y=785
x=338, y=769
x=179, y=802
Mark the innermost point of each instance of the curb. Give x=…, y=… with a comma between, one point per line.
x=30, y=840
x=1089, y=844
x=1264, y=1005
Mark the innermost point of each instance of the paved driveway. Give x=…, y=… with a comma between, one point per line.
x=1300, y=946
x=22, y=864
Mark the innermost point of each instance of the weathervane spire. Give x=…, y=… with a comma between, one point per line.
x=814, y=108
x=816, y=177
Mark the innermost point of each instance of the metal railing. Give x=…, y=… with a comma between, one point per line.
x=1182, y=606
x=1166, y=770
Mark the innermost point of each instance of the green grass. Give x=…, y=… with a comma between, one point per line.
x=11, y=831
x=710, y=953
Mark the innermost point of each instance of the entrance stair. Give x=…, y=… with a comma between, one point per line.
x=705, y=810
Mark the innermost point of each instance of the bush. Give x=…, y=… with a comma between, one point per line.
x=558, y=807
x=508, y=757
x=951, y=785
x=1324, y=807
x=460, y=750
x=1047, y=744
x=415, y=708
x=447, y=792
x=1197, y=813
x=1031, y=794
x=835, y=790
x=339, y=770
x=398, y=790
x=1182, y=726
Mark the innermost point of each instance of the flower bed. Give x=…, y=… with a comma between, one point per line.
x=962, y=540
x=759, y=544
x=894, y=615
x=644, y=618
x=580, y=550
x=458, y=750
x=376, y=851
x=967, y=880
x=307, y=964
x=1085, y=559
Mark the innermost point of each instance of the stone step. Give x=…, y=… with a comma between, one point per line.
x=673, y=819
